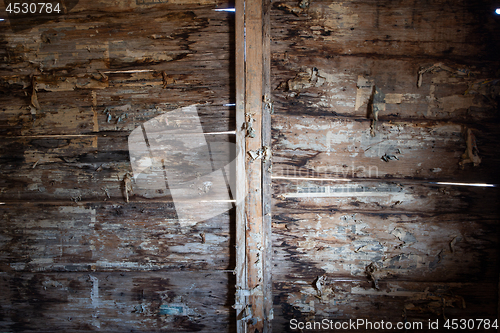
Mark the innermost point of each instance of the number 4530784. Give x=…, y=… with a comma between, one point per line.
x=471, y=324
x=32, y=8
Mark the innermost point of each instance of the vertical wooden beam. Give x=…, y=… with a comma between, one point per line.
x=254, y=299
x=240, y=270
x=254, y=214
x=267, y=165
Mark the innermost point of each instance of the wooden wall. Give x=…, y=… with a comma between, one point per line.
x=361, y=230
x=74, y=255
x=360, y=227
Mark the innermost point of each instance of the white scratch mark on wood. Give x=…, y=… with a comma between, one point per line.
x=94, y=110
x=311, y=179
x=94, y=293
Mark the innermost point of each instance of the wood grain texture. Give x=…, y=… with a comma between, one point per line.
x=255, y=232
x=360, y=229
x=88, y=167
x=387, y=29
x=110, y=40
x=143, y=302
x=110, y=237
x=342, y=147
x=404, y=246
x=267, y=165
x=74, y=255
x=401, y=196
x=415, y=303
x=384, y=264
x=342, y=85
x=241, y=301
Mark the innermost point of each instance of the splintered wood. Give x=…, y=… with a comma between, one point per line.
x=254, y=300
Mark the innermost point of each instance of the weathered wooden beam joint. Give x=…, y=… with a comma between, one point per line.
x=253, y=297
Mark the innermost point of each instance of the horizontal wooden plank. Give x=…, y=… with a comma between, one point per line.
x=407, y=246
x=119, y=90
x=92, y=148
x=338, y=147
x=136, y=107
x=298, y=196
x=72, y=116
x=99, y=79
x=386, y=29
x=111, y=237
x=92, y=168
x=319, y=85
x=94, y=39
x=111, y=110
x=111, y=6
x=395, y=302
x=116, y=302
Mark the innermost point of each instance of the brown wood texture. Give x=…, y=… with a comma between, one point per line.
x=461, y=94
x=396, y=302
x=108, y=237
x=241, y=300
x=404, y=29
x=299, y=196
x=107, y=302
x=447, y=247
x=255, y=230
x=74, y=254
x=361, y=229
x=342, y=147
x=268, y=107
x=90, y=167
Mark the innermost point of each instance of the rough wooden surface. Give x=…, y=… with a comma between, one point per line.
x=241, y=300
x=74, y=255
x=115, y=302
x=387, y=29
x=255, y=228
x=395, y=302
x=110, y=236
x=361, y=230
x=416, y=246
x=342, y=147
x=268, y=106
x=381, y=196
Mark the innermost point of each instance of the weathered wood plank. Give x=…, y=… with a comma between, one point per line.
x=74, y=255
x=111, y=6
x=349, y=208
x=255, y=232
x=94, y=40
x=111, y=237
x=267, y=166
x=338, y=147
x=73, y=115
x=93, y=149
x=241, y=300
x=93, y=168
x=397, y=301
x=113, y=110
x=135, y=108
x=116, y=302
x=388, y=29
x=319, y=86
x=412, y=197
x=407, y=246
